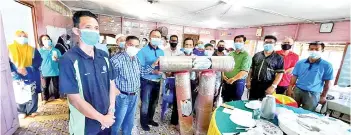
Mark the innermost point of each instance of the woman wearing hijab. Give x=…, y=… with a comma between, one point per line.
x=49, y=66
x=63, y=43
x=25, y=62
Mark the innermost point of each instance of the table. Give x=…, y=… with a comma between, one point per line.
x=220, y=122
x=339, y=105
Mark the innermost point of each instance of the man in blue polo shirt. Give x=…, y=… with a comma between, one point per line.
x=87, y=78
x=150, y=83
x=311, y=78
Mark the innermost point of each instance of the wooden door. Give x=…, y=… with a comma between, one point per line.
x=195, y=37
x=9, y=118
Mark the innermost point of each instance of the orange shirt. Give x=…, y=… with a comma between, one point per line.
x=290, y=61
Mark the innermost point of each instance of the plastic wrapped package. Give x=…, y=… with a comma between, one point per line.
x=204, y=102
x=196, y=63
x=184, y=102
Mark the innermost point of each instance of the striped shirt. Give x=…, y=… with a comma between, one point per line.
x=128, y=72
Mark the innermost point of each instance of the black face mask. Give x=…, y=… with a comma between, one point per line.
x=173, y=45
x=286, y=46
x=220, y=49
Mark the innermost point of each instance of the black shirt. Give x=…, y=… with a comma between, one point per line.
x=264, y=68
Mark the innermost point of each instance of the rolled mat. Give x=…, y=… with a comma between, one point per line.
x=204, y=102
x=184, y=102
x=196, y=63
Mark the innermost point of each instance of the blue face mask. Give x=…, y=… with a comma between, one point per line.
x=239, y=46
x=315, y=54
x=22, y=40
x=201, y=46
x=268, y=47
x=122, y=44
x=156, y=41
x=188, y=50
x=89, y=37
x=47, y=43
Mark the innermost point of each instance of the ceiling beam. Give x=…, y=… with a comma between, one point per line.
x=279, y=14
x=208, y=8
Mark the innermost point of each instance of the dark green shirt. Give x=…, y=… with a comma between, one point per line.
x=242, y=63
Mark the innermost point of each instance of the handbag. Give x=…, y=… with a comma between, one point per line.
x=23, y=92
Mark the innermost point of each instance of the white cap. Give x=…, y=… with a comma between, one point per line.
x=119, y=35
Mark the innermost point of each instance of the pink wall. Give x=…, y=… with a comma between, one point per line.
x=304, y=32
x=46, y=16
x=250, y=33
x=224, y=34
x=310, y=32
x=280, y=31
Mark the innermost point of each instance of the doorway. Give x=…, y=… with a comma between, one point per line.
x=195, y=37
x=13, y=16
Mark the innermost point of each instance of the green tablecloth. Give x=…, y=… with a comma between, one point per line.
x=225, y=125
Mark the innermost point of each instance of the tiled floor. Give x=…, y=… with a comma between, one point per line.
x=53, y=120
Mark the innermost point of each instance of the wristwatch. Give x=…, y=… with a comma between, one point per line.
x=274, y=86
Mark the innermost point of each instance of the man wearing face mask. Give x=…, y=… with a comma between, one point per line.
x=311, y=78
x=266, y=71
x=209, y=50
x=128, y=71
x=120, y=41
x=220, y=49
x=86, y=76
x=144, y=42
x=290, y=60
x=200, y=51
x=235, y=80
x=150, y=83
x=173, y=50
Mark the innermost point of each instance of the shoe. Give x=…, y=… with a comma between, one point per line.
x=145, y=127
x=153, y=123
x=33, y=115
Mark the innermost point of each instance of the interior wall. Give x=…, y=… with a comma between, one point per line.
x=46, y=17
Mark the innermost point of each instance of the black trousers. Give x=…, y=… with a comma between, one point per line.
x=258, y=89
x=174, y=116
x=55, y=88
x=281, y=89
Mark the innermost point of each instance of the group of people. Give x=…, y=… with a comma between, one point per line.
x=103, y=90
x=30, y=66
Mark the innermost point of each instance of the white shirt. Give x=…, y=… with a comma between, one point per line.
x=169, y=52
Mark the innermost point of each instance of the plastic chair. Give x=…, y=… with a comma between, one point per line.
x=285, y=100
x=167, y=95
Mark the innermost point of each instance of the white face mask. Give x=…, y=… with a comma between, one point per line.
x=209, y=52
x=67, y=42
x=132, y=51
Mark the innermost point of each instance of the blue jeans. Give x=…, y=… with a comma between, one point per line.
x=308, y=99
x=125, y=112
x=233, y=92
x=149, y=98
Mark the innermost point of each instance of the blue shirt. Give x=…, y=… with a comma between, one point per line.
x=128, y=72
x=311, y=76
x=49, y=67
x=147, y=56
x=33, y=72
x=90, y=77
x=198, y=52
